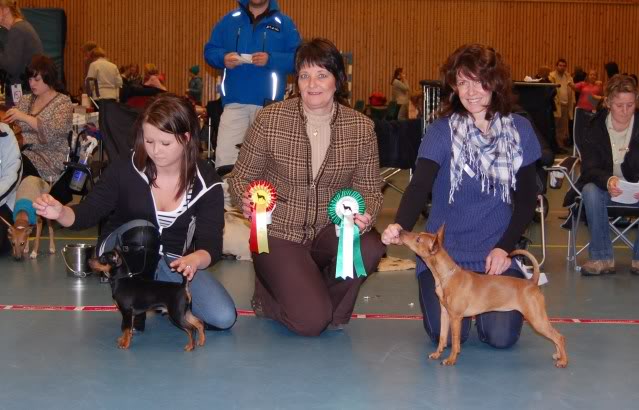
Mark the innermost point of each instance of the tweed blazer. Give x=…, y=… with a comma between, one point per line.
x=277, y=149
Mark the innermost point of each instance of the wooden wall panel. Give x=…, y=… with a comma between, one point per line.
x=382, y=34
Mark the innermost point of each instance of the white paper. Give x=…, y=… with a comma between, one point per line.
x=543, y=279
x=246, y=58
x=628, y=195
x=16, y=92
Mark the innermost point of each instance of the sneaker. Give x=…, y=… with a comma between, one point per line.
x=598, y=267
x=634, y=269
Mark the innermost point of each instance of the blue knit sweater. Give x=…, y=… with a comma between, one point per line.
x=476, y=220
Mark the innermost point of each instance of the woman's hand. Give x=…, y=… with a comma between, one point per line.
x=14, y=115
x=232, y=60
x=613, y=189
x=363, y=221
x=186, y=265
x=260, y=59
x=497, y=262
x=48, y=207
x=390, y=236
x=247, y=205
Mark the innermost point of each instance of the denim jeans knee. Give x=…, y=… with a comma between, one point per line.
x=595, y=201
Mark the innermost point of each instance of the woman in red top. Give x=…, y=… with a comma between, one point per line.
x=590, y=91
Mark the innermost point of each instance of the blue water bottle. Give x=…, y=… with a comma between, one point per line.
x=79, y=177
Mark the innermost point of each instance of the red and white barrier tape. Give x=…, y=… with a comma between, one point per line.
x=241, y=312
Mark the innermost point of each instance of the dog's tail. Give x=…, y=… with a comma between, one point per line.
x=536, y=272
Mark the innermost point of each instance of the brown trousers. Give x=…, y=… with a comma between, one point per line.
x=296, y=285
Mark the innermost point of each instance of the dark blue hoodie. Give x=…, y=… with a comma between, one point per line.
x=274, y=34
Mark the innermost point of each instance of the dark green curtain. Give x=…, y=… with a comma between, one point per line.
x=51, y=26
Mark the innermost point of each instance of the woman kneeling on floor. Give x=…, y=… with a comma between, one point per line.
x=309, y=148
x=478, y=160
x=163, y=184
x=609, y=153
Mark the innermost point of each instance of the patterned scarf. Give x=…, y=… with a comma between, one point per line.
x=496, y=156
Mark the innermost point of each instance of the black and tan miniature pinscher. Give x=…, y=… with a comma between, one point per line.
x=134, y=296
x=463, y=293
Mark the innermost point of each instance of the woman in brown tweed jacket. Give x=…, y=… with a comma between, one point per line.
x=309, y=148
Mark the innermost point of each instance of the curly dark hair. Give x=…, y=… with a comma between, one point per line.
x=480, y=63
x=323, y=53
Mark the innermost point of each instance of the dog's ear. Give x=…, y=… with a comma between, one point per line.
x=440, y=233
x=437, y=241
x=117, y=259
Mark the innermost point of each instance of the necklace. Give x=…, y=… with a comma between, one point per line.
x=315, y=132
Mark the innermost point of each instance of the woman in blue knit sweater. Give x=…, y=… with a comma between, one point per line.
x=478, y=161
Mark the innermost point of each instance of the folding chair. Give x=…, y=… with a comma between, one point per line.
x=616, y=212
x=431, y=90
x=92, y=89
x=547, y=159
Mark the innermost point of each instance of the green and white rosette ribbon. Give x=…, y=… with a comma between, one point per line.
x=341, y=211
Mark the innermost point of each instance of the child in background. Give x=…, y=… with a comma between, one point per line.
x=195, y=85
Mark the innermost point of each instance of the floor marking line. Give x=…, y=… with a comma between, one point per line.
x=243, y=312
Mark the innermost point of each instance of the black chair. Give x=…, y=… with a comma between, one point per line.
x=398, y=144
x=537, y=99
x=116, y=126
x=137, y=96
x=214, y=111
x=392, y=111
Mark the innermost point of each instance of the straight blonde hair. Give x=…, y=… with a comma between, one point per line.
x=13, y=7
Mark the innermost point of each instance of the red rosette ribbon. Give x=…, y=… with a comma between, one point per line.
x=263, y=197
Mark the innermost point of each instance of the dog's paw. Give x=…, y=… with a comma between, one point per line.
x=189, y=347
x=561, y=364
x=124, y=342
x=434, y=355
x=448, y=362
x=52, y=251
x=33, y=255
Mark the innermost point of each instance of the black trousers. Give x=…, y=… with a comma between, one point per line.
x=5, y=245
x=498, y=329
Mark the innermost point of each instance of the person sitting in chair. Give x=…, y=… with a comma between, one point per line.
x=46, y=118
x=609, y=153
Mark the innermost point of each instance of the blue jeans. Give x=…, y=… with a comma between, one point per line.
x=497, y=329
x=210, y=301
x=595, y=201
